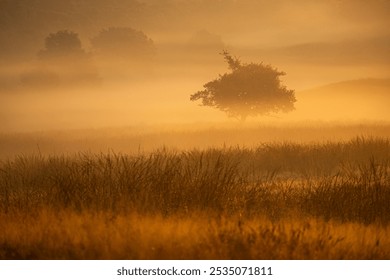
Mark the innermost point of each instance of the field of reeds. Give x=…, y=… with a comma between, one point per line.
x=281, y=200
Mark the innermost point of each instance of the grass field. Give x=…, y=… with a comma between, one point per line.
x=280, y=200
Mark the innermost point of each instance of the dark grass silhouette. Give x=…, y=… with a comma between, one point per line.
x=275, y=201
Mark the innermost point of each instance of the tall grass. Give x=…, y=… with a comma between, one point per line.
x=271, y=196
x=347, y=181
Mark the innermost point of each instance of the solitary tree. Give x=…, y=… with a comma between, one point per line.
x=248, y=90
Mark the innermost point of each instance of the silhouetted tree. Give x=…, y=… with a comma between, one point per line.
x=123, y=42
x=123, y=54
x=63, y=62
x=62, y=43
x=248, y=90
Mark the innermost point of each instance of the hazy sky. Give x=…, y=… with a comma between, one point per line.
x=315, y=42
x=276, y=22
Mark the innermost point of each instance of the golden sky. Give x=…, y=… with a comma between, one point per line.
x=316, y=43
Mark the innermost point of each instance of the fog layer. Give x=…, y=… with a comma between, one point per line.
x=137, y=62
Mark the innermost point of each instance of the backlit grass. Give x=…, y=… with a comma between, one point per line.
x=274, y=201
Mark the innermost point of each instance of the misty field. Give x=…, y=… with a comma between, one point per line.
x=281, y=200
x=105, y=152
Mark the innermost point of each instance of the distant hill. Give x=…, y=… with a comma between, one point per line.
x=362, y=86
x=364, y=51
x=367, y=99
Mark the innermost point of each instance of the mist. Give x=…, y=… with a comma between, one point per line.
x=135, y=63
x=194, y=129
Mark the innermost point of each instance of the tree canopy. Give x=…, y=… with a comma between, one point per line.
x=248, y=90
x=62, y=43
x=123, y=42
x=63, y=61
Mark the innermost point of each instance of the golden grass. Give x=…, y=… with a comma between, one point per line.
x=71, y=235
x=276, y=201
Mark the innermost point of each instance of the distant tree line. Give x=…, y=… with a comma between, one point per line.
x=24, y=23
x=63, y=60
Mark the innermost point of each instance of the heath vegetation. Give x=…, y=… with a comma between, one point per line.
x=273, y=201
